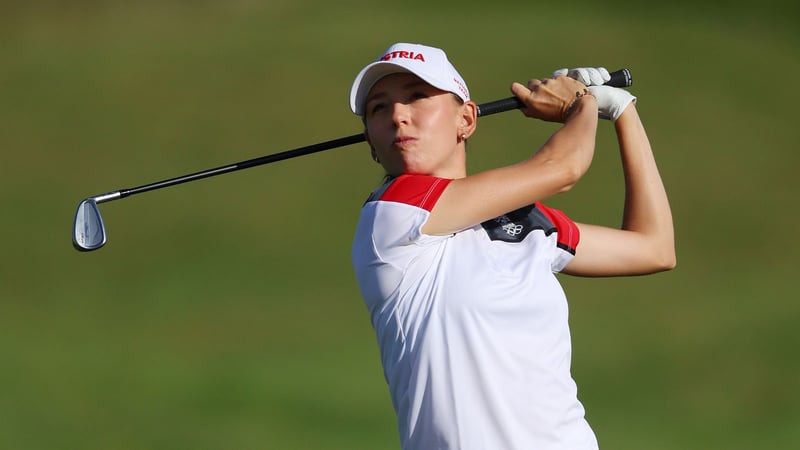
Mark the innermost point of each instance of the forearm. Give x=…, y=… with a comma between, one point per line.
x=554, y=168
x=647, y=209
x=568, y=153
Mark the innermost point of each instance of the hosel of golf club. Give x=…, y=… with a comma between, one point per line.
x=107, y=197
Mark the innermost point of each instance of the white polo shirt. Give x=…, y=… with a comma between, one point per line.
x=472, y=327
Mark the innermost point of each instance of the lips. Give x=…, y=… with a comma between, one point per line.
x=402, y=141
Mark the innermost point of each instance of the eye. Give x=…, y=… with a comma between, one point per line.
x=416, y=95
x=376, y=108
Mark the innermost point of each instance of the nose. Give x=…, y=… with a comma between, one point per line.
x=400, y=113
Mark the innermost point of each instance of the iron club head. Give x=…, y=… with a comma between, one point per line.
x=88, y=231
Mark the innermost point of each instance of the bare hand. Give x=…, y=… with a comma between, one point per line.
x=549, y=99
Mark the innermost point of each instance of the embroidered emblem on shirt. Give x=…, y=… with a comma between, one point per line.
x=514, y=226
x=511, y=228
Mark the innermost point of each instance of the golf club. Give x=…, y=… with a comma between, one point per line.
x=89, y=232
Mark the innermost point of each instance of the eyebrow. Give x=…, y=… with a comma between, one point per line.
x=410, y=84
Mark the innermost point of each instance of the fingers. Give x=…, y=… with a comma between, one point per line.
x=525, y=94
x=558, y=87
x=604, y=74
x=589, y=76
x=547, y=99
x=519, y=90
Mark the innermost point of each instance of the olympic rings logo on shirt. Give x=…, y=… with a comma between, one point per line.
x=512, y=229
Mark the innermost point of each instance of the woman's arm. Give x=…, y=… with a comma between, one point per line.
x=554, y=168
x=645, y=243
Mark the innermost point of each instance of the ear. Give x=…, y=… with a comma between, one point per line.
x=468, y=119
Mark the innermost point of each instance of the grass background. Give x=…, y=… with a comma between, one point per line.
x=223, y=314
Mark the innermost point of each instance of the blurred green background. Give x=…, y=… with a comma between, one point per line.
x=223, y=314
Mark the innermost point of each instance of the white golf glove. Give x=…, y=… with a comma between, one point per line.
x=611, y=101
x=586, y=75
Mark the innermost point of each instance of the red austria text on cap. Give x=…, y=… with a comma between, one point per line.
x=403, y=54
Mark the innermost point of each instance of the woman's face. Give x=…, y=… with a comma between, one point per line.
x=414, y=127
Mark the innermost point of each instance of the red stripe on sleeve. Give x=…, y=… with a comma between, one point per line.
x=568, y=233
x=422, y=191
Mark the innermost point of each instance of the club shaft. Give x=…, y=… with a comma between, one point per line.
x=327, y=145
x=620, y=78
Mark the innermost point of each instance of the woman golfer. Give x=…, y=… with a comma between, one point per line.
x=457, y=270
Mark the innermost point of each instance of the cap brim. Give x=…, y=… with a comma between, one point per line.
x=366, y=79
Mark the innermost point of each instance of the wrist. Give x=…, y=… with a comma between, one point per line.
x=584, y=99
x=628, y=115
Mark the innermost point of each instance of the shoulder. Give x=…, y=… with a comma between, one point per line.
x=568, y=231
x=422, y=191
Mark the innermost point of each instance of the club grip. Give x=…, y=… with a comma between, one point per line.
x=621, y=78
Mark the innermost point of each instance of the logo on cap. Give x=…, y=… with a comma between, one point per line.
x=402, y=54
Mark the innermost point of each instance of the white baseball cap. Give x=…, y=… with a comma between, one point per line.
x=428, y=63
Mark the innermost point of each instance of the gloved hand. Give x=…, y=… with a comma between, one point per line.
x=611, y=101
x=586, y=75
